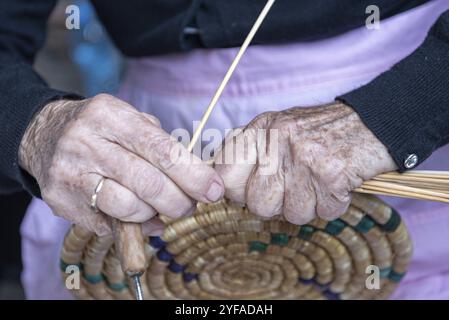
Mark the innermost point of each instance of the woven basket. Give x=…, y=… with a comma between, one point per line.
x=225, y=252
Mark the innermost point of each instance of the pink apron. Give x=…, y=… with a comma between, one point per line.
x=177, y=88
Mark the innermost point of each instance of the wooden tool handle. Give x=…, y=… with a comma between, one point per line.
x=130, y=247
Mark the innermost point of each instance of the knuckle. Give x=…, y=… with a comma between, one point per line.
x=311, y=155
x=340, y=197
x=94, y=114
x=99, y=107
x=166, y=151
x=129, y=205
x=152, y=187
x=332, y=172
x=281, y=121
x=101, y=98
x=262, y=120
x=155, y=121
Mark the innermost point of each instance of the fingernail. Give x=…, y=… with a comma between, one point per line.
x=215, y=192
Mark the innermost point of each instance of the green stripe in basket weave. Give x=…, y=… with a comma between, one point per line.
x=280, y=239
x=335, y=227
x=385, y=272
x=392, y=223
x=306, y=231
x=64, y=265
x=365, y=225
x=395, y=276
x=117, y=286
x=93, y=279
x=257, y=246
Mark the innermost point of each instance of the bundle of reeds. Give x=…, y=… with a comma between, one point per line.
x=423, y=185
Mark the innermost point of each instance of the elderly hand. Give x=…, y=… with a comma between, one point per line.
x=301, y=162
x=70, y=145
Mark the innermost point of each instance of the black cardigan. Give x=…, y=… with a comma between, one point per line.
x=407, y=107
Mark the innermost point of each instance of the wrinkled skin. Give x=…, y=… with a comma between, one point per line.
x=70, y=145
x=323, y=153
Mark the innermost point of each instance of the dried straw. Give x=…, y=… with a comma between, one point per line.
x=225, y=252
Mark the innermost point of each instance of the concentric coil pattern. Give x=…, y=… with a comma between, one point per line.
x=224, y=252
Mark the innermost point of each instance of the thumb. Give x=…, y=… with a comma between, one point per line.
x=235, y=161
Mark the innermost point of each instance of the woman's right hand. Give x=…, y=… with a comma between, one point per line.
x=71, y=145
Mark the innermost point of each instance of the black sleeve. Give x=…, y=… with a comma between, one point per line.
x=22, y=91
x=407, y=107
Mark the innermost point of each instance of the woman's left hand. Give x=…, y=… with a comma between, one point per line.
x=301, y=162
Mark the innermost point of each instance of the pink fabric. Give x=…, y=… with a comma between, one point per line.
x=176, y=89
